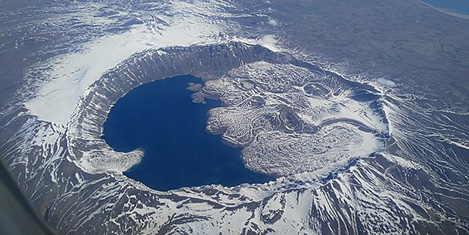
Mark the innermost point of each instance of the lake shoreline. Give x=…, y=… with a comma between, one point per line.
x=446, y=12
x=161, y=119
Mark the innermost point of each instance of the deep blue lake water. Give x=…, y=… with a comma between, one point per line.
x=161, y=119
x=457, y=6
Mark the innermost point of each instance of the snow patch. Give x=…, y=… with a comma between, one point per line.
x=268, y=41
x=385, y=82
x=73, y=73
x=272, y=22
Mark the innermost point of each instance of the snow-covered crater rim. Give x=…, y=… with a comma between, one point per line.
x=91, y=153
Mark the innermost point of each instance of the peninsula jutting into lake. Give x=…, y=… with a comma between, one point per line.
x=161, y=119
x=237, y=117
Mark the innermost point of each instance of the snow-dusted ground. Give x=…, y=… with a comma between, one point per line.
x=291, y=119
x=74, y=180
x=183, y=24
